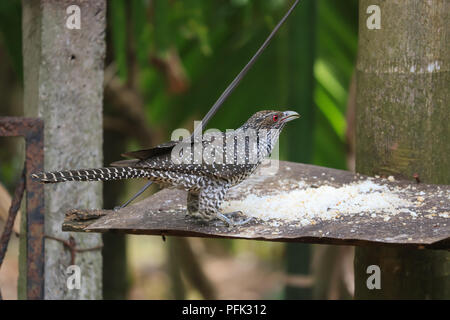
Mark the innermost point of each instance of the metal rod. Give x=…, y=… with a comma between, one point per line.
x=141, y=191
x=32, y=130
x=14, y=208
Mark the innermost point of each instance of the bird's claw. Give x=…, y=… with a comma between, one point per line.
x=229, y=219
x=233, y=223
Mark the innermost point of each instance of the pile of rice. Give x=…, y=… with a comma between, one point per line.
x=306, y=205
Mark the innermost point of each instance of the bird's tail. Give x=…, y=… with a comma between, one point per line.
x=100, y=174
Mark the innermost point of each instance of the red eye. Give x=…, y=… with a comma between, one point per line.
x=275, y=118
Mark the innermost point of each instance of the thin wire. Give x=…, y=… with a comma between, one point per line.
x=228, y=90
x=243, y=72
x=141, y=191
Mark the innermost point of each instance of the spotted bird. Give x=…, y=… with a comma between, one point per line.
x=206, y=169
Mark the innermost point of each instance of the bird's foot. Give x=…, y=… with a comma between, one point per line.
x=230, y=218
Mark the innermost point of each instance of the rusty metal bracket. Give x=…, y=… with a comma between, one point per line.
x=32, y=129
x=13, y=209
x=72, y=246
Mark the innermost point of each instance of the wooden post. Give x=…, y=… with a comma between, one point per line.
x=403, y=129
x=63, y=80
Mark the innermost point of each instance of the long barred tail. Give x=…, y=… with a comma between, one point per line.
x=100, y=174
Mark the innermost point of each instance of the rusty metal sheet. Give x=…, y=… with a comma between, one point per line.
x=32, y=130
x=163, y=213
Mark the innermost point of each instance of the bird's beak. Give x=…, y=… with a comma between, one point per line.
x=289, y=115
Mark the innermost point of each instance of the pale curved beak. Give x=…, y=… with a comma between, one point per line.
x=289, y=116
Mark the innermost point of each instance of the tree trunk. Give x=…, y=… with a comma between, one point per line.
x=402, y=129
x=63, y=80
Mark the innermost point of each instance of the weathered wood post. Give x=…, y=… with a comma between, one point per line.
x=63, y=80
x=403, y=76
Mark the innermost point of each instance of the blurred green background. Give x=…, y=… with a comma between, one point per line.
x=167, y=62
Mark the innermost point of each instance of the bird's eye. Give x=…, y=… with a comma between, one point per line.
x=275, y=118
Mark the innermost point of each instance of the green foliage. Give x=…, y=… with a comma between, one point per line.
x=118, y=25
x=181, y=55
x=214, y=40
x=11, y=32
x=337, y=28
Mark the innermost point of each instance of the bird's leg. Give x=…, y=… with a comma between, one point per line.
x=235, y=216
x=193, y=208
x=230, y=222
x=192, y=204
x=210, y=199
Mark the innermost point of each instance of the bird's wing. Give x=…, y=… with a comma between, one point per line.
x=145, y=154
x=152, y=158
x=160, y=149
x=159, y=158
x=165, y=163
x=125, y=163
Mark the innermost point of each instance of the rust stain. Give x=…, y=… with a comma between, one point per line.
x=32, y=129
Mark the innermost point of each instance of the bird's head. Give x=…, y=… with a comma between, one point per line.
x=270, y=119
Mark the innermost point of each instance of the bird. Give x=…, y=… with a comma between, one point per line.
x=206, y=167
